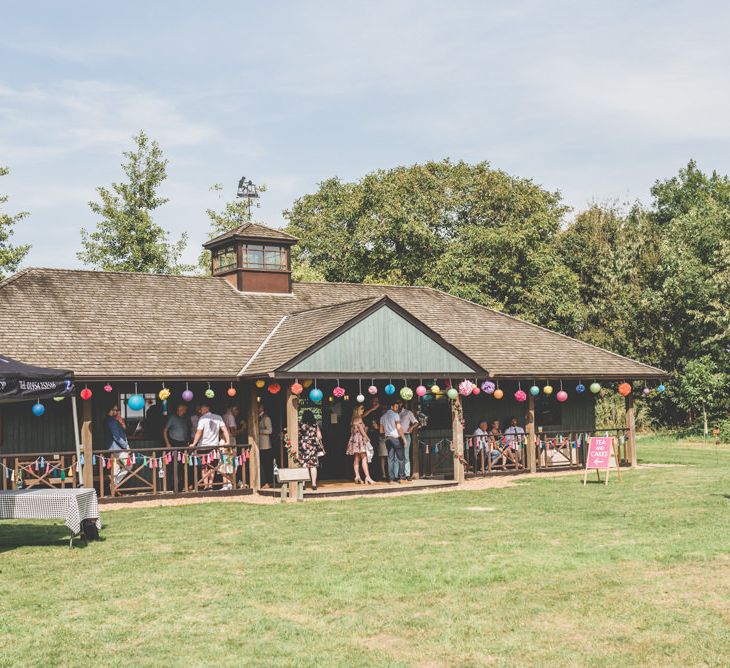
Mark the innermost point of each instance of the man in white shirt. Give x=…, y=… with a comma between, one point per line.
x=409, y=423
x=395, y=441
x=514, y=437
x=208, y=435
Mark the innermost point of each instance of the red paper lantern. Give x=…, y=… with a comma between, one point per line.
x=85, y=394
x=274, y=388
x=296, y=389
x=231, y=391
x=624, y=389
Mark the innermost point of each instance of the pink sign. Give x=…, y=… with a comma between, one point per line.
x=599, y=452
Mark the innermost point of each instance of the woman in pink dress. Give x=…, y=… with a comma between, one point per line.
x=358, y=445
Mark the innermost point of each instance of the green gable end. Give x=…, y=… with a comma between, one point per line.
x=384, y=342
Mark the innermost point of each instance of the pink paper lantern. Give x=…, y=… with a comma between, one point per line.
x=465, y=388
x=372, y=390
x=476, y=390
x=338, y=392
x=562, y=396
x=520, y=396
x=421, y=390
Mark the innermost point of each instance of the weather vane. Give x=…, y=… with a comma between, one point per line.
x=249, y=191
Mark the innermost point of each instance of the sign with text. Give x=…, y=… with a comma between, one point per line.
x=601, y=455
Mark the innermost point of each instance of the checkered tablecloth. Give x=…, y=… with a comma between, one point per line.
x=70, y=505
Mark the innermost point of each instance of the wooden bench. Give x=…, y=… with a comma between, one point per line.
x=292, y=477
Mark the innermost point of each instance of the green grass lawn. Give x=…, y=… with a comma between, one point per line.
x=545, y=572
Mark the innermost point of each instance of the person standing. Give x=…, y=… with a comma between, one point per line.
x=358, y=445
x=409, y=423
x=266, y=452
x=372, y=416
x=310, y=445
x=514, y=436
x=395, y=441
x=176, y=434
x=117, y=443
x=208, y=435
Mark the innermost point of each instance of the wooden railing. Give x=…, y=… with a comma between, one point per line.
x=485, y=454
x=435, y=457
x=139, y=471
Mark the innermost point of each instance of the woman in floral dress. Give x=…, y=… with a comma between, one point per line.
x=310, y=445
x=358, y=445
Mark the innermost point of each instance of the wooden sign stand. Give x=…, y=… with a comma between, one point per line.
x=600, y=451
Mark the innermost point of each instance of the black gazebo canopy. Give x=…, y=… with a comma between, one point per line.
x=25, y=382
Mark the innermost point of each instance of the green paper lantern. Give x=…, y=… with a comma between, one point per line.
x=452, y=393
x=406, y=393
x=595, y=388
x=209, y=393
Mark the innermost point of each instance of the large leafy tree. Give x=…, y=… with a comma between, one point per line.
x=477, y=232
x=127, y=238
x=10, y=256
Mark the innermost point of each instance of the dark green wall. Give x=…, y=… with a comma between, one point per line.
x=22, y=432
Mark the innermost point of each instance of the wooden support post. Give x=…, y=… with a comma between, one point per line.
x=292, y=425
x=292, y=432
x=415, y=454
x=457, y=441
x=254, y=465
x=87, y=443
x=531, y=458
x=631, y=426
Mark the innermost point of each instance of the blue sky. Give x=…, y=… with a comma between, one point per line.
x=595, y=99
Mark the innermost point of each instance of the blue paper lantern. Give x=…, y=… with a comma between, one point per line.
x=136, y=402
x=390, y=388
x=580, y=388
x=660, y=388
x=38, y=409
x=534, y=390
x=315, y=395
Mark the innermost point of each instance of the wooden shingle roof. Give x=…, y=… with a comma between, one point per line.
x=124, y=325
x=253, y=232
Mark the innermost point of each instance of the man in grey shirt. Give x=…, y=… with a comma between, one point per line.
x=395, y=441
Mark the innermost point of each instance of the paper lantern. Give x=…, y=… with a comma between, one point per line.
x=296, y=389
x=465, y=388
x=390, y=388
x=435, y=389
x=372, y=390
x=274, y=388
x=209, y=393
x=580, y=388
x=136, y=402
x=660, y=388
x=231, y=391
x=164, y=394
x=406, y=393
x=624, y=389
x=187, y=395
x=488, y=387
x=595, y=388
x=452, y=393
x=475, y=390
x=85, y=394
x=260, y=383
x=548, y=389
x=338, y=392
x=421, y=390
x=562, y=396
x=498, y=394
x=315, y=395
x=520, y=396
x=38, y=409
x=58, y=398
x=108, y=388
x=534, y=390
x=307, y=383
x=360, y=398
x=646, y=391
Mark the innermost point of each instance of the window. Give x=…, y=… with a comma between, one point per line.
x=224, y=259
x=272, y=258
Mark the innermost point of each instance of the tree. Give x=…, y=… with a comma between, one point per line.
x=233, y=215
x=474, y=231
x=127, y=238
x=10, y=256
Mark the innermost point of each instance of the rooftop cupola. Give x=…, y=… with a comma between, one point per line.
x=253, y=258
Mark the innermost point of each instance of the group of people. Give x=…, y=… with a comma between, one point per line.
x=500, y=445
x=202, y=429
